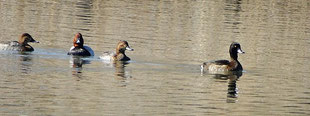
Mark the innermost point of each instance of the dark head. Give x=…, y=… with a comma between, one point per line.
x=78, y=40
x=234, y=49
x=122, y=46
x=25, y=38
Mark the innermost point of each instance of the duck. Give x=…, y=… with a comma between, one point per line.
x=78, y=48
x=226, y=65
x=20, y=45
x=119, y=55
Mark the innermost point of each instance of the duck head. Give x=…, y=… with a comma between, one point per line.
x=78, y=40
x=25, y=38
x=234, y=49
x=122, y=46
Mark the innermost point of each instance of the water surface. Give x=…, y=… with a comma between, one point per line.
x=171, y=39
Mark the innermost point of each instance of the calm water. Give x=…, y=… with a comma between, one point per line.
x=171, y=39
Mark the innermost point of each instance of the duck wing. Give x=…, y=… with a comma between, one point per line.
x=107, y=55
x=217, y=62
x=14, y=43
x=79, y=52
x=10, y=45
x=215, y=65
x=220, y=62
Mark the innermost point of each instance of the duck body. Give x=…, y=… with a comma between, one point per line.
x=78, y=48
x=222, y=65
x=119, y=55
x=225, y=65
x=81, y=51
x=113, y=56
x=21, y=45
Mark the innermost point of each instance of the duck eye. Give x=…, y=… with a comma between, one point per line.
x=235, y=46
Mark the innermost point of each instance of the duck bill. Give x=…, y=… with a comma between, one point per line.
x=78, y=41
x=34, y=41
x=240, y=51
x=128, y=48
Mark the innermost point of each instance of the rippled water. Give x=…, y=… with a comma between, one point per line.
x=171, y=39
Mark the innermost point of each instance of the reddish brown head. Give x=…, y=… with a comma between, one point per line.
x=78, y=40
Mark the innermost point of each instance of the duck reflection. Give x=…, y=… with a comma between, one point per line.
x=232, y=77
x=25, y=63
x=76, y=62
x=120, y=68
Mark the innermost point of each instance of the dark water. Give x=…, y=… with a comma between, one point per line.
x=171, y=39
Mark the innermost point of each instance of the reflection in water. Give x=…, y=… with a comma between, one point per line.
x=84, y=14
x=232, y=91
x=25, y=63
x=232, y=16
x=77, y=62
x=120, y=69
